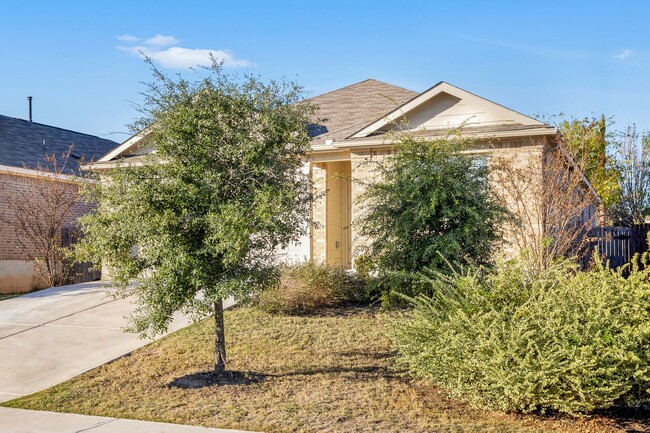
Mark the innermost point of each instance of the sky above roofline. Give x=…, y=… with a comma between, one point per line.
x=82, y=61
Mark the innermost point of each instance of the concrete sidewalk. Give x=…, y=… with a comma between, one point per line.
x=31, y=421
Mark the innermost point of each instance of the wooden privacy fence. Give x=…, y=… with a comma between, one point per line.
x=80, y=272
x=619, y=244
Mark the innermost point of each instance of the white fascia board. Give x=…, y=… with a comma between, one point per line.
x=7, y=169
x=330, y=155
x=124, y=146
x=105, y=165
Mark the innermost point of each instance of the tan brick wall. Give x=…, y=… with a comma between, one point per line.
x=363, y=163
x=528, y=158
x=319, y=213
x=364, y=171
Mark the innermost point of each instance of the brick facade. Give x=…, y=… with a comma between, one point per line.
x=13, y=187
x=16, y=273
x=522, y=152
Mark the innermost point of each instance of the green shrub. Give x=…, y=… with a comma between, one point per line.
x=428, y=204
x=560, y=340
x=307, y=287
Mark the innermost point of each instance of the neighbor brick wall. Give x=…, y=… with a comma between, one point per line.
x=13, y=186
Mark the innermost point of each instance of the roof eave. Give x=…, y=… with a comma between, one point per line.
x=19, y=171
x=383, y=140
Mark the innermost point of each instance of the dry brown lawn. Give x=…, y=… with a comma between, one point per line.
x=332, y=372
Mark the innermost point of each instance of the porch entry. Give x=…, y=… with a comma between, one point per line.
x=338, y=213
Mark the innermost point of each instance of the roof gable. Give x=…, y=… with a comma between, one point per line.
x=132, y=146
x=445, y=106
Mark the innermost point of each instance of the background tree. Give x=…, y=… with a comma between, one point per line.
x=429, y=204
x=38, y=213
x=633, y=165
x=207, y=209
x=589, y=142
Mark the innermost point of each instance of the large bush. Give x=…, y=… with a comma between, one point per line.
x=559, y=340
x=429, y=204
x=307, y=287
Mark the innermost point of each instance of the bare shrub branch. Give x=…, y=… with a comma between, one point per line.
x=553, y=212
x=38, y=213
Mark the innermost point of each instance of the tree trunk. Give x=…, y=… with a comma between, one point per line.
x=219, y=339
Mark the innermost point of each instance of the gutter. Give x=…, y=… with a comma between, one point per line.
x=8, y=169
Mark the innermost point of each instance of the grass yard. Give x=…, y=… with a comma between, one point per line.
x=326, y=373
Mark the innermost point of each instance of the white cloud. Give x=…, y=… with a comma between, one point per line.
x=165, y=51
x=624, y=54
x=129, y=38
x=529, y=48
x=182, y=58
x=161, y=41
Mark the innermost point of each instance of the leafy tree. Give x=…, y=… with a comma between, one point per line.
x=429, y=204
x=198, y=219
x=633, y=164
x=588, y=141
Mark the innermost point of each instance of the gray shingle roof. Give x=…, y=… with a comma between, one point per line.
x=24, y=144
x=346, y=110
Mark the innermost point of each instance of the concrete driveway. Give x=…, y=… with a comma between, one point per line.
x=52, y=335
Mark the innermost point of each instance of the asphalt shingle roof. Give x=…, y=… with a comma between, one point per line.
x=347, y=110
x=24, y=144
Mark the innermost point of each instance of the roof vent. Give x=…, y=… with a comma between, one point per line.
x=329, y=142
x=29, y=104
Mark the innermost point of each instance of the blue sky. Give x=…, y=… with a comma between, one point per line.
x=78, y=58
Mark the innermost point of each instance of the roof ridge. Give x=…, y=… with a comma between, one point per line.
x=55, y=127
x=360, y=82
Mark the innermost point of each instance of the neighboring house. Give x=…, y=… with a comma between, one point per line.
x=355, y=121
x=23, y=145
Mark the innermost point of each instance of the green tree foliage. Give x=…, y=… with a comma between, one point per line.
x=429, y=204
x=198, y=218
x=589, y=142
x=513, y=340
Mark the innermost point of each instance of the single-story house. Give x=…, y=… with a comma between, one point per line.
x=23, y=145
x=354, y=126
